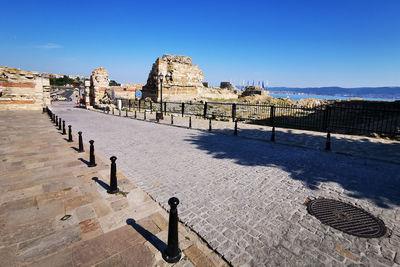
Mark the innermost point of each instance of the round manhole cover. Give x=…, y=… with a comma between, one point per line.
x=346, y=218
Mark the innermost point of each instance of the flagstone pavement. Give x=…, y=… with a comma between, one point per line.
x=246, y=197
x=43, y=179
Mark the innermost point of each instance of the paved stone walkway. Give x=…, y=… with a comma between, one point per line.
x=246, y=197
x=351, y=145
x=43, y=179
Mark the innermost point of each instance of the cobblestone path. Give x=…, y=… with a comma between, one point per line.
x=246, y=197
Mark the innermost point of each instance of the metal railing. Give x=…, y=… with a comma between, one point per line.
x=346, y=118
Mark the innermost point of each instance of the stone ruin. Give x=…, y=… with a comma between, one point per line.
x=227, y=85
x=185, y=81
x=99, y=83
x=231, y=87
x=254, y=90
x=23, y=90
x=98, y=91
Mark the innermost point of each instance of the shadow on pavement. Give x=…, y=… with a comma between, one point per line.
x=363, y=178
x=84, y=161
x=154, y=240
x=101, y=183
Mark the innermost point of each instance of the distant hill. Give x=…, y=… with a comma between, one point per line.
x=361, y=92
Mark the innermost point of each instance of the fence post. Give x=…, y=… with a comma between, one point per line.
x=273, y=123
x=273, y=134
x=328, y=141
x=165, y=108
x=173, y=253
x=326, y=118
x=205, y=110
x=235, y=132
x=183, y=108
x=233, y=111
x=272, y=116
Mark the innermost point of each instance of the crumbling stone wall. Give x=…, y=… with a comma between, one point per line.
x=99, y=83
x=254, y=90
x=23, y=90
x=184, y=82
x=227, y=85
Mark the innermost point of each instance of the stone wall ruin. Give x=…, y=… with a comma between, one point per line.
x=23, y=90
x=99, y=92
x=185, y=81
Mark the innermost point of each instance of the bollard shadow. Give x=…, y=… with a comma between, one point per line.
x=101, y=183
x=361, y=178
x=84, y=161
x=154, y=240
x=75, y=148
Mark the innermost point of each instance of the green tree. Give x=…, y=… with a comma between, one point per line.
x=114, y=83
x=61, y=81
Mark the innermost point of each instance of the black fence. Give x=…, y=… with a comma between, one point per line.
x=359, y=118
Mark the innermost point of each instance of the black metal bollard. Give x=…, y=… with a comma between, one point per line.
x=173, y=253
x=59, y=124
x=64, y=132
x=92, y=161
x=113, y=111
x=190, y=122
x=328, y=141
x=56, y=120
x=126, y=113
x=273, y=134
x=53, y=117
x=144, y=116
x=44, y=110
x=113, y=177
x=172, y=119
x=119, y=112
x=80, y=143
x=135, y=114
x=209, y=125
x=69, y=133
x=235, y=132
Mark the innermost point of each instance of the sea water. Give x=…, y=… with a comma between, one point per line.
x=296, y=97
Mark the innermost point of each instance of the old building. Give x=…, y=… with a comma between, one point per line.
x=23, y=90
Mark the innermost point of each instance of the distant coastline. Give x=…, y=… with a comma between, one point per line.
x=297, y=97
x=366, y=93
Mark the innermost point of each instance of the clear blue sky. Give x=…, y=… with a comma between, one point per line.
x=345, y=43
